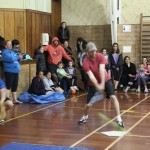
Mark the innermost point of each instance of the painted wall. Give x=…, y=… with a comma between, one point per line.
x=40, y=5
x=85, y=12
x=131, y=10
x=96, y=12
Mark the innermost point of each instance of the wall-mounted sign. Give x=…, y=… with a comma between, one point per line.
x=126, y=49
x=126, y=28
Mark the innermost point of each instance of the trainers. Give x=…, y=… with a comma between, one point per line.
x=1, y=121
x=82, y=120
x=120, y=124
x=146, y=91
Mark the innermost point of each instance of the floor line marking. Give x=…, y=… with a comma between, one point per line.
x=88, y=135
x=41, y=109
x=135, y=112
x=118, y=139
x=139, y=136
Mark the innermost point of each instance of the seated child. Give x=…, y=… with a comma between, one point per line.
x=64, y=79
x=140, y=77
x=72, y=72
x=49, y=85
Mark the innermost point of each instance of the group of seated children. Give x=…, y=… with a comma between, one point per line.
x=42, y=85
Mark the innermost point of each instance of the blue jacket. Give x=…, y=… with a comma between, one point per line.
x=10, y=61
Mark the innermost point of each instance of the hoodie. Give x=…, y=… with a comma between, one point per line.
x=56, y=53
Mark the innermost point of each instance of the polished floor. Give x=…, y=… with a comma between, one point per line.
x=56, y=123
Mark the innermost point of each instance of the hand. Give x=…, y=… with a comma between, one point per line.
x=68, y=76
x=20, y=57
x=48, y=92
x=130, y=75
x=100, y=87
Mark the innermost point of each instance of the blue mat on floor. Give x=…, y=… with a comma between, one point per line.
x=24, y=146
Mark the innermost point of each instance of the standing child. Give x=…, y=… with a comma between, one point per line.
x=39, y=56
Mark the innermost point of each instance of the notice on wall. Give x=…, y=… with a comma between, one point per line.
x=126, y=49
x=126, y=28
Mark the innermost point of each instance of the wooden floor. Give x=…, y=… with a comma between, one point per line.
x=56, y=124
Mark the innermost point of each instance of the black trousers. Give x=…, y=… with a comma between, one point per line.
x=11, y=80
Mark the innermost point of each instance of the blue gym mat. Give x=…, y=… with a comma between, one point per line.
x=24, y=146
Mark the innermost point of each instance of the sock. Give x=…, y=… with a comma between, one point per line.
x=119, y=118
x=85, y=117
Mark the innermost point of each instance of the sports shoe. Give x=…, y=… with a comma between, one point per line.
x=82, y=120
x=1, y=121
x=146, y=91
x=120, y=124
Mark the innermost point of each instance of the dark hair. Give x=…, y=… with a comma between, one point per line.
x=38, y=49
x=84, y=43
x=103, y=49
x=117, y=47
x=15, y=42
x=125, y=58
x=37, y=73
x=60, y=63
x=62, y=23
x=47, y=72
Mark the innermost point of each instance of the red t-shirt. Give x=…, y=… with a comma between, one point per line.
x=93, y=65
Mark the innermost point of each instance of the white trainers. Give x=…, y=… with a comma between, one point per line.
x=146, y=91
x=120, y=124
x=83, y=120
x=1, y=121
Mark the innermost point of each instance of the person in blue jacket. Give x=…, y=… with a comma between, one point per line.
x=11, y=68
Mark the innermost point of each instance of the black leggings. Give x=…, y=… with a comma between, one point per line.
x=11, y=80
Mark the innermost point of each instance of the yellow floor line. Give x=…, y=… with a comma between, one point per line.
x=42, y=109
x=139, y=136
x=79, y=141
x=133, y=112
x=118, y=139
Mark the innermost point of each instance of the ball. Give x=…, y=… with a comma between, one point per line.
x=73, y=91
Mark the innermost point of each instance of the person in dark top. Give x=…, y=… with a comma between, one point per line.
x=37, y=86
x=2, y=40
x=107, y=66
x=40, y=57
x=63, y=33
x=68, y=50
x=81, y=45
x=116, y=64
x=128, y=74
